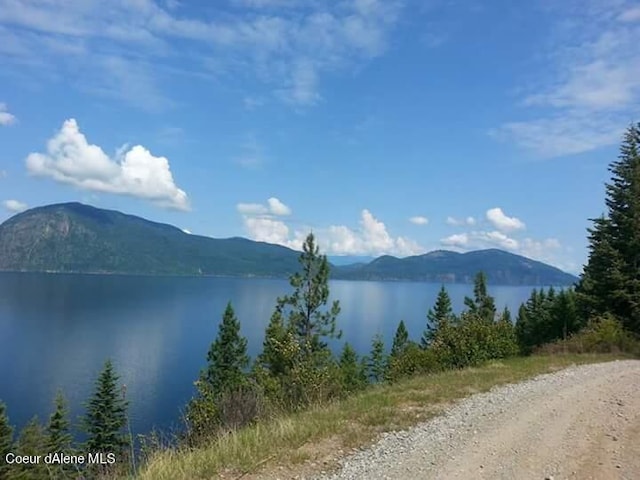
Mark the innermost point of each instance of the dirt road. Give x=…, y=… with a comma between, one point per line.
x=580, y=423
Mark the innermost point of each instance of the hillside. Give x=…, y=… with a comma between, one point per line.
x=72, y=237
x=501, y=268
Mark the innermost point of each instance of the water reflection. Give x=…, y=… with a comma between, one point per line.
x=56, y=331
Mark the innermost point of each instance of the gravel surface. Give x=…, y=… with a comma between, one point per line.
x=582, y=422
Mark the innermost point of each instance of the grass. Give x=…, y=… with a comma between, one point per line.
x=315, y=439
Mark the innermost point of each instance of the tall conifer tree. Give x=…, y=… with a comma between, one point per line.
x=611, y=279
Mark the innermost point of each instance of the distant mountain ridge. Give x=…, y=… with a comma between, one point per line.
x=444, y=266
x=78, y=238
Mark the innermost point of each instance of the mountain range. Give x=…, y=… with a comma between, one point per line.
x=78, y=238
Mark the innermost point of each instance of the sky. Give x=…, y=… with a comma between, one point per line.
x=385, y=127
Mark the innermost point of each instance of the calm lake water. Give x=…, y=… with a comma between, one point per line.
x=56, y=331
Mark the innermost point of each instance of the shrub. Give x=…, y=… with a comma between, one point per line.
x=413, y=361
x=603, y=334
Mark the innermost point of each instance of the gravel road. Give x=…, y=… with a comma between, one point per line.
x=579, y=423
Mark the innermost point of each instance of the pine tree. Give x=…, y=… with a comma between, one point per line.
x=565, y=314
x=276, y=356
x=354, y=378
x=6, y=440
x=506, y=315
x=400, y=340
x=377, y=365
x=523, y=329
x=611, y=279
x=440, y=317
x=311, y=325
x=227, y=358
x=482, y=305
x=31, y=442
x=59, y=438
x=106, y=416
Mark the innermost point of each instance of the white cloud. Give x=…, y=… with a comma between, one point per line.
x=273, y=207
x=630, y=15
x=502, y=222
x=456, y=240
x=252, y=209
x=70, y=159
x=126, y=50
x=3, y=174
x=15, y=206
x=187, y=231
x=588, y=89
x=419, y=220
x=6, y=118
x=458, y=222
x=371, y=238
x=276, y=207
x=480, y=239
x=266, y=229
x=548, y=250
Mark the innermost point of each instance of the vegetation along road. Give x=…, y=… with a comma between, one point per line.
x=582, y=423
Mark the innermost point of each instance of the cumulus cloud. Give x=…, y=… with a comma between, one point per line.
x=270, y=230
x=273, y=207
x=502, y=222
x=458, y=222
x=419, y=220
x=548, y=250
x=15, y=206
x=71, y=159
x=6, y=118
x=276, y=207
x=460, y=240
x=480, y=239
x=371, y=238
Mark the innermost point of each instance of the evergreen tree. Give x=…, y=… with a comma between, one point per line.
x=106, y=416
x=523, y=329
x=354, y=378
x=611, y=279
x=227, y=358
x=400, y=340
x=482, y=305
x=276, y=356
x=377, y=360
x=31, y=442
x=565, y=314
x=6, y=440
x=506, y=315
x=440, y=317
x=59, y=438
x=311, y=325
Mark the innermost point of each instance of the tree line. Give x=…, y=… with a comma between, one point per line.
x=104, y=424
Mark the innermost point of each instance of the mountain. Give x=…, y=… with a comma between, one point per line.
x=444, y=266
x=73, y=237
x=340, y=260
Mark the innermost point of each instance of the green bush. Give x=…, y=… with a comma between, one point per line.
x=413, y=361
x=603, y=334
x=473, y=340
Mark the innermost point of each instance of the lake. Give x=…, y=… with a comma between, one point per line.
x=57, y=330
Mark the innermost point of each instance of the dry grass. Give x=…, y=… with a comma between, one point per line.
x=314, y=440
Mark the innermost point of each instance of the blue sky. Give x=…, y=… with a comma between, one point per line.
x=392, y=127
